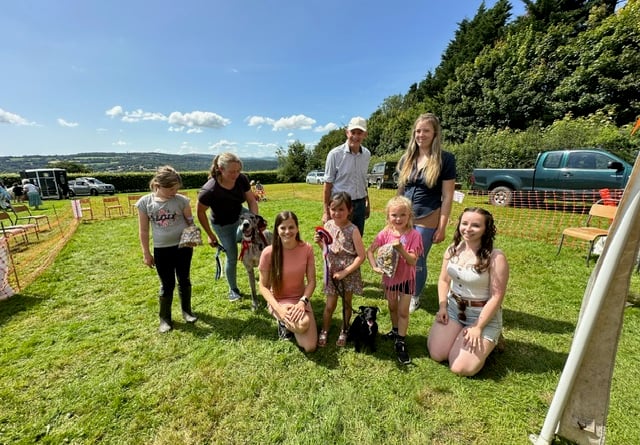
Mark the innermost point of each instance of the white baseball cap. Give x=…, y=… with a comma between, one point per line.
x=357, y=122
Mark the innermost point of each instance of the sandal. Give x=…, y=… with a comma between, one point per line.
x=322, y=339
x=342, y=338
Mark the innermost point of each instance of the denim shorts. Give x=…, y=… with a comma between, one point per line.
x=491, y=331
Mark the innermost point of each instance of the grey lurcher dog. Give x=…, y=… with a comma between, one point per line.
x=255, y=237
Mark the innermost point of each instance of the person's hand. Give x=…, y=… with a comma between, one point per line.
x=213, y=241
x=367, y=211
x=295, y=312
x=473, y=338
x=148, y=260
x=442, y=316
x=340, y=275
x=377, y=270
x=438, y=236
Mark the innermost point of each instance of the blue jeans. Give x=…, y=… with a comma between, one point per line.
x=229, y=236
x=421, y=264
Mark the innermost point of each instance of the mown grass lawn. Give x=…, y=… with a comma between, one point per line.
x=81, y=361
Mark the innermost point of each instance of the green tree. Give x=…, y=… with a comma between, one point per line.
x=292, y=163
x=327, y=142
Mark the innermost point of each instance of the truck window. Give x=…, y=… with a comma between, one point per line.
x=581, y=160
x=552, y=160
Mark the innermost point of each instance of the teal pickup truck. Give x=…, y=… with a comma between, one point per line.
x=578, y=174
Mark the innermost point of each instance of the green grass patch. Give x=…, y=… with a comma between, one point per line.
x=82, y=362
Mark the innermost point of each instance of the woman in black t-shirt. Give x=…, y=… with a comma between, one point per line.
x=224, y=193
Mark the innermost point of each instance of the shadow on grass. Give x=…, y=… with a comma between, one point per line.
x=521, y=320
x=16, y=304
x=523, y=358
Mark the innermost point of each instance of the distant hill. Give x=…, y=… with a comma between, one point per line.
x=128, y=162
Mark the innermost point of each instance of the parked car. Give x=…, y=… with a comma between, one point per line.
x=315, y=177
x=579, y=174
x=383, y=174
x=89, y=186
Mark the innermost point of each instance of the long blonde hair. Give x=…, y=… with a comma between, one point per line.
x=223, y=160
x=431, y=169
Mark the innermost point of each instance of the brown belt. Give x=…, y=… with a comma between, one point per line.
x=471, y=303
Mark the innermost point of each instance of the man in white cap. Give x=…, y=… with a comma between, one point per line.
x=346, y=170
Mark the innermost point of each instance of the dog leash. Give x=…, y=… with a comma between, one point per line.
x=218, y=264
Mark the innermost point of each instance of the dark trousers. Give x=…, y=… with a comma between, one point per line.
x=357, y=216
x=172, y=263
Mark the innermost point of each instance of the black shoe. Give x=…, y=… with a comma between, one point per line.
x=401, y=352
x=391, y=335
x=283, y=332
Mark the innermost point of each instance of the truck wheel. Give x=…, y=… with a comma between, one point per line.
x=379, y=184
x=501, y=196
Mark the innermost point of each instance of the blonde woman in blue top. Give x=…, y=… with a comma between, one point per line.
x=427, y=175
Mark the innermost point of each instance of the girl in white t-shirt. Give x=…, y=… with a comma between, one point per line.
x=168, y=214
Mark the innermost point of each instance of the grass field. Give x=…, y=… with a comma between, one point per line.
x=82, y=363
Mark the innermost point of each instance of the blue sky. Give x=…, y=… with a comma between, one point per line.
x=200, y=76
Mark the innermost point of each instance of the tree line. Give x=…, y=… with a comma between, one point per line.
x=563, y=75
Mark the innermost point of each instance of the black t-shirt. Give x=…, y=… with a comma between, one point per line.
x=225, y=204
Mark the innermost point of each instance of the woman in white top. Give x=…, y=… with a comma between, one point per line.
x=471, y=287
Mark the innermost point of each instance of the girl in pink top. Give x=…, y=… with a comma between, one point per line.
x=399, y=287
x=287, y=281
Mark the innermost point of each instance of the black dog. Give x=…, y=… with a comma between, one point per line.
x=364, y=329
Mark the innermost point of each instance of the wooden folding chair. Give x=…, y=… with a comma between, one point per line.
x=10, y=231
x=23, y=212
x=111, y=203
x=85, y=207
x=588, y=232
x=132, y=199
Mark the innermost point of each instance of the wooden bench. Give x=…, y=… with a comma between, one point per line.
x=588, y=232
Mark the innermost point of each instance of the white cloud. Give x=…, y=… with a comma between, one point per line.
x=205, y=119
x=12, y=119
x=194, y=130
x=297, y=122
x=141, y=115
x=134, y=116
x=101, y=130
x=120, y=143
x=114, y=112
x=64, y=123
x=223, y=145
x=326, y=128
x=176, y=129
x=259, y=121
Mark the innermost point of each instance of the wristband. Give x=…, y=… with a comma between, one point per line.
x=304, y=299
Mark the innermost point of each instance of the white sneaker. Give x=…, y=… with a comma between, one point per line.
x=234, y=295
x=415, y=304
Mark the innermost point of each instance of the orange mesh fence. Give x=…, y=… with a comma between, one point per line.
x=540, y=216
x=530, y=216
